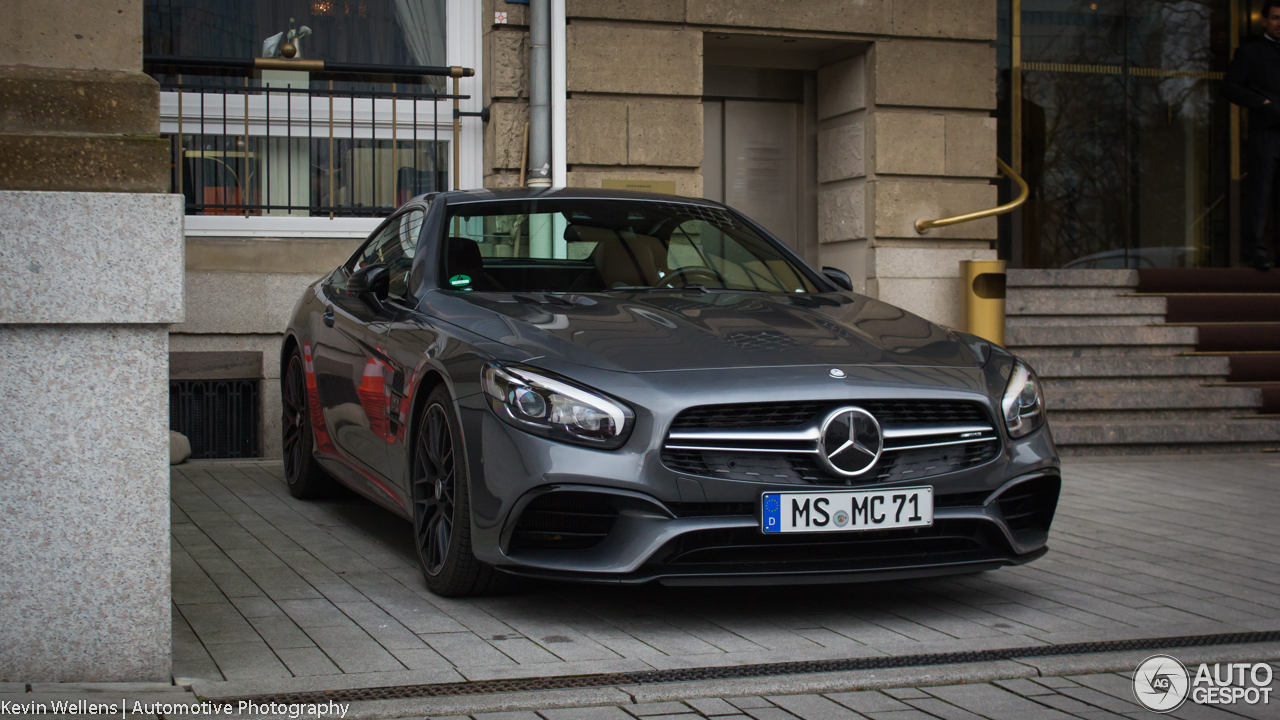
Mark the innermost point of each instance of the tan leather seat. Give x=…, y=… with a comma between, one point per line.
x=629, y=260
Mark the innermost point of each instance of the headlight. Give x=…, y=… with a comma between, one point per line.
x=1023, y=404
x=553, y=408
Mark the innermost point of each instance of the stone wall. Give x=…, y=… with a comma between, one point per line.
x=634, y=78
x=91, y=262
x=931, y=150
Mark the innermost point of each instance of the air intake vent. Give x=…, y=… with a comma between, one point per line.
x=219, y=417
x=1028, y=507
x=563, y=521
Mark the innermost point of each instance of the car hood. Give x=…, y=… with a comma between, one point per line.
x=657, y=331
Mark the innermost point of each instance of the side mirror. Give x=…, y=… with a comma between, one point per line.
x=839, y=277
x=370, y=281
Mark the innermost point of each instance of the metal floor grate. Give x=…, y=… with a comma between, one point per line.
x=749, y=671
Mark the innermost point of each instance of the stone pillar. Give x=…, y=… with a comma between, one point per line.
x=91, y=271
x=906, y=133
x=934, y=155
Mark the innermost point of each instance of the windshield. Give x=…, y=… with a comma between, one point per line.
x=590, y=245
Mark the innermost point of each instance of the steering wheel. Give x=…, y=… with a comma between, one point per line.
x=686, y=274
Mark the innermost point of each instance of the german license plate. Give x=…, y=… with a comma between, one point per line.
x=845, y=511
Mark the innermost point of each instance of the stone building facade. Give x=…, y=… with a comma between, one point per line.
x=897, y=118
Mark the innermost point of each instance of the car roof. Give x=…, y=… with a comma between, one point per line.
x=458, y=197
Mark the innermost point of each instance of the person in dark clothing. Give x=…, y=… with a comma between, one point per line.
x=1253, y=82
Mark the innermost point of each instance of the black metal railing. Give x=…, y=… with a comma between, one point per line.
x=219, y=417
x=273, y=137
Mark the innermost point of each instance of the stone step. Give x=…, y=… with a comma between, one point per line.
x=1236, y=399
x=1071, y=278
x=1140, y=417
x=1021, y=321
x=1216, y=448
x=1134, y=367
x=1033, y=353
x=1063, y=385
x=1061, y=293
x=1048, y=302
x=1170, y=434
x=1099, y=335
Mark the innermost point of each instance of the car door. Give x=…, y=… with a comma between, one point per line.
x=352, y=372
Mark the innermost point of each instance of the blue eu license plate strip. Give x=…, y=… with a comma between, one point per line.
x=846, y=511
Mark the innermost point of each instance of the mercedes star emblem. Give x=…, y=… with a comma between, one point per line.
x=850, y=442
x=836, y=373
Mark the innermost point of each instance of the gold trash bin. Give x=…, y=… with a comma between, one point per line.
x=982, y=290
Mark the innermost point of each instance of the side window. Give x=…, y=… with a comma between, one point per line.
x=394, y=247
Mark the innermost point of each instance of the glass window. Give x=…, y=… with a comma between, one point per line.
x=610, y=245
x=300, y=177
x=394, y=247
x=1123, y=131
x=389, y=32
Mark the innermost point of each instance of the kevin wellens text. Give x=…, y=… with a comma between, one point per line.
x=173, y=710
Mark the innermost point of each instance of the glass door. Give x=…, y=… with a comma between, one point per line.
x=1115, y=110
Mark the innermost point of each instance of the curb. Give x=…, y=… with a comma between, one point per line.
x=952, y=674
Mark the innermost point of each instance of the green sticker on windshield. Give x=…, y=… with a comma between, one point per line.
x=460, y=280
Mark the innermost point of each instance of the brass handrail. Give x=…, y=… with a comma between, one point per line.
x=922, y=225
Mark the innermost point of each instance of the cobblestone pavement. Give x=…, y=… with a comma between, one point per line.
x=273, y=594
x=1102, y=696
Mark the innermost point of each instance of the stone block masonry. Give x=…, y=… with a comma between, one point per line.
x=91, y=262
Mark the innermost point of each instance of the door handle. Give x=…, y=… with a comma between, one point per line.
x=328, y=316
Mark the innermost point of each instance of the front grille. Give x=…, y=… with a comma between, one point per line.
x=1028, y=507
x=928, y=462
x=795, y=468
x=804, y=468
x=776, y=442
x=747, y=416
x=888, y=412
x=751, y=550
x=563, y=521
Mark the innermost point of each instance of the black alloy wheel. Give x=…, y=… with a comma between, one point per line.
x=442, y=505
x=305, y=477
x=435, y=486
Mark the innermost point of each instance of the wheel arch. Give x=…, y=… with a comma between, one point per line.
x=287, y=347
x=431, y=378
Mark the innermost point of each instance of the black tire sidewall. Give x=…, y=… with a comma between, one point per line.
x=311, y=480
x=459, y=572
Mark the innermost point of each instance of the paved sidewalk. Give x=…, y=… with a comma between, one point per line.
x=1101, y=696
x=272, y=594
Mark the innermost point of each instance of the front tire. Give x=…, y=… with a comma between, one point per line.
x=442, y=505
x=307, y=480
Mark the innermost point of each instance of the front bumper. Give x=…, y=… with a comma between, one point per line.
x=681, y=529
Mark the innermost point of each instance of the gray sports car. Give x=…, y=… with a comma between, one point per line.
x=623, y=387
